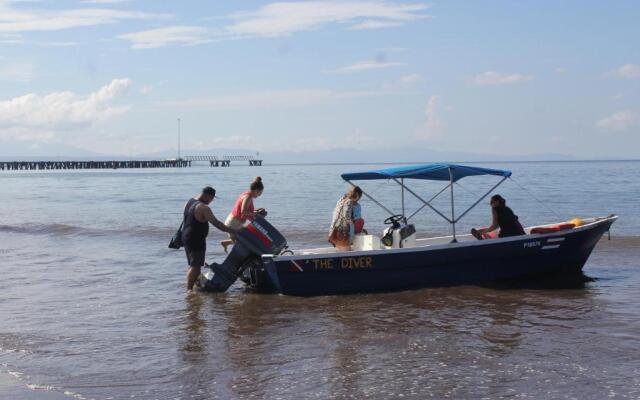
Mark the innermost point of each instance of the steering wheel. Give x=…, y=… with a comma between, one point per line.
x=394, y=220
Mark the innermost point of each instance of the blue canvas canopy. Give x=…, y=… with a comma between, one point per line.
x=437, y=172
x=450, y=173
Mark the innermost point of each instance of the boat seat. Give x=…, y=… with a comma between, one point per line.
x=366, y=242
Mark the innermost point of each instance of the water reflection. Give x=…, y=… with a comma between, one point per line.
x=193, y=350
x=241, y=344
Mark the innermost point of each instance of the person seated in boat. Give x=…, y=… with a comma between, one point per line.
x=243, y=210
x=503, y=218
x=342, y=222
x=358, y=221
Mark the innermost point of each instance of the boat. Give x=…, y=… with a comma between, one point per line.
x=399, y=260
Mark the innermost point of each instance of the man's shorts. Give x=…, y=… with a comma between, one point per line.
x=195, y=258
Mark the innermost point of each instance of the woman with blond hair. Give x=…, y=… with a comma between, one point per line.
x=342, y=223
x=243, y=210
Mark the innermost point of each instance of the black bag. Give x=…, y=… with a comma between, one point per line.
x=176, y=240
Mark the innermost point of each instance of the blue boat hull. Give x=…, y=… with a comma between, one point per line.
x=522, y=257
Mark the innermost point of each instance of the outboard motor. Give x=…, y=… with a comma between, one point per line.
x=258, y=238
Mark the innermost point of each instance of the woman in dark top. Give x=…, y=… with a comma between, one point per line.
x=503, y=218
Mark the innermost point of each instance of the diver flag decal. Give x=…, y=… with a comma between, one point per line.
x=298, y=267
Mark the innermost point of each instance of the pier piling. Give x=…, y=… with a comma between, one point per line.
x=214, y=161
x=75, y=165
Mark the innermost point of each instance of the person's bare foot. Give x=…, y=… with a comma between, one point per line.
x=476, y=234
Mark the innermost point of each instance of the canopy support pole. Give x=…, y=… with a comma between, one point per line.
x=402, y=195
x=426, y=203
x=430, y=200
x=372, y=199
x=453, y=215
x=481, y=198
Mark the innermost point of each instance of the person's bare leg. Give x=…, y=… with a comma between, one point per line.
x=192, y=275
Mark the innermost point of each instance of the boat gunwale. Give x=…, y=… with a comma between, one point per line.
x=419, y=249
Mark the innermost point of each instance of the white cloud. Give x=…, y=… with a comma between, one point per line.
x=154, y=38
x=286, y=18
x=104, y=1
x=57, y=44
x=404, y=82
x=629, y=71
x=365, y=66
x=231, y=141
x=498, y=78
x=146, y=89
x=620, y=120
x=24, y=20
x=14, y=38
x=33, y=114
x=410, y=79
x=373, y=24
x=11, y=38
x=385, y=50
x=322, y=141
x=434, y=127
x=269, y=99
x=20, y=72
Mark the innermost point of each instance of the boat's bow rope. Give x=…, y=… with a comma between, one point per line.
x=545, y=205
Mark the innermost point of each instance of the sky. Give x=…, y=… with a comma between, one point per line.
x=484, y=77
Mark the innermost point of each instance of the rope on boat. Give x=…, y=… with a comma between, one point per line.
x=468, y=191
x=546, y=206
x=536, y=199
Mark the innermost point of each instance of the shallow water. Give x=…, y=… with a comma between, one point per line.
x=93, y=305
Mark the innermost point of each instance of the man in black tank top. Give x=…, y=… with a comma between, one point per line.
x=197, y=216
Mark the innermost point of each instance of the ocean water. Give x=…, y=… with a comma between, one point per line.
x=93, y=303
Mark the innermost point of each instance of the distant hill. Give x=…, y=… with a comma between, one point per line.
x=27, y=150
x=23, y=150
x=395, y=155
x=172, y=153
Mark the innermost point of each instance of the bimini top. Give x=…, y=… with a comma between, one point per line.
x=436, y=172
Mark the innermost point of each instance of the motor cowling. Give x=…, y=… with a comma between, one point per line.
x=256, y=239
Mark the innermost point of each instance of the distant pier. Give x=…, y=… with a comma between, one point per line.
x=225, y=161
x=70, y=165
x=214, y=161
